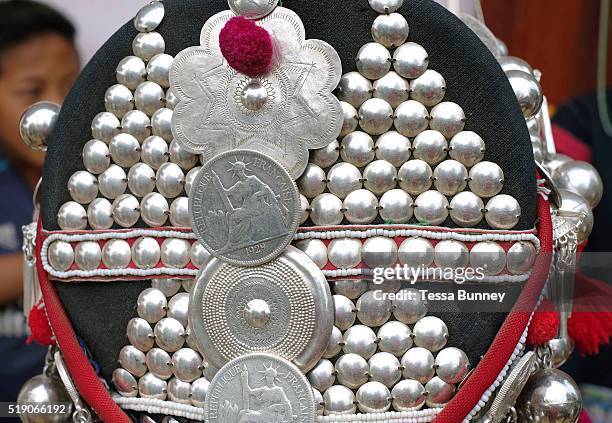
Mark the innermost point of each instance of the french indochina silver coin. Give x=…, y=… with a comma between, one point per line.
x=284, y=307
x=244, y=207
x=260, y=388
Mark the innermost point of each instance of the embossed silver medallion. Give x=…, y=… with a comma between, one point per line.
x=244, y=207
x=283, y=307
x=282, y=114
x=260, y=388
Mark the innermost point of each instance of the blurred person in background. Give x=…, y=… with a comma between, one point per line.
x=38, y=61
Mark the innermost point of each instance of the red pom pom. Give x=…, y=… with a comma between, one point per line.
x=589, y=330
x=544, y=325
x=584, y=417
x=248, y=48
x=40, y=331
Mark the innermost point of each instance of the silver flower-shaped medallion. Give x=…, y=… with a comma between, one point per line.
x=282, y=114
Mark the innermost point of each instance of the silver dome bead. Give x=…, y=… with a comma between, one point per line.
x=169, y=334
x=344, y=253
x=415, y=177
x=179, y=213
x=334, y=346
x=350, y=288
x=394, y=148
x=187, y=285
x=148, y=44
x=373, y=397
x=141, y=179
x=431, y=208
x=327, y=156
x=345, y=312
x=392, y=88
x=100, y=214
x=379, y=252
x=351, y=370
x=61, y=255
x=373, y=60
x=186, y=364
x=411, y=118
x=390, y=30
x=452, y=365
x=408, y=395
x=315, y=249
x=451, y=254
x=467, y=148
x=168, y=286
x=171, y=99
x=520, y=257
x=161, y=123
x=175, y=253
x=146, y=253
x=395, y=206
x=409, y=306
x=126, y=210
x=350, y=120
x=450, y=177
x=158, y=69
x=447, y=118
x=72, y=217
x=151, y=387
x=170, y=180
x=125, y=383
x=489, y=256
x=154, y=209
x=152, y=305
x=339, y=400
x=131, y=72
x=140, y=334
x=149, y=97
x=178, y=308
x=527, y=90
x=373, y=311
x=385, y=368
x=190, y=178
x=343, y=178
x=386, y=6
x=312, y=181
x=394, y=338
x=182, y=157
x=438, y=392
x=199, y=389
x=418, y=364
x=410, y=60
x=96, y=156
x=88, y=255
x=379, y=177
x=116, y=254
x=112, y=182
x=357, y=148
x=360, y=340
x=326, y=210
x=430, y=332
x=533, y=125
x=509, y=63
x=573, y=202
x=581, y=178
x=319, y=404
x=179, y=392
x=159, y=363
x=105, y=126
x=375, y=116
x=137, y=124
x=354, y=89
x=36, y=124
x=83, y=187
x=553, y=161
x=430, y=146
x=118, y=100
x=429, y=88
x=304, y=209
x=486, y=179
x=360, y=207
x=416, y=252
x=322, y=376
x=124, y=150
x=503, y=212
x=133, y=360
x=466, y=209
x=149, y=17
x=154, y=152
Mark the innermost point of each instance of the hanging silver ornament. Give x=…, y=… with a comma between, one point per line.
x=37, y=123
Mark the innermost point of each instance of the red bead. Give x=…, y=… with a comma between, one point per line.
x=248, y=48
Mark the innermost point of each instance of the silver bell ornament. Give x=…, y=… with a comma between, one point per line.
x=44, y=389
x=559, y=350
x=527, y=90
x=550, y=396
x=572, y=202
x=581, y=178
x=36, y=124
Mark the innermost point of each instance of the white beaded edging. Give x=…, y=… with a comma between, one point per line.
x=155, y=406
x=388, y=417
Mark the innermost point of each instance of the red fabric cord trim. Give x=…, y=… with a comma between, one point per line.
x=570, y=145
x=79, y=367
x=510, y=333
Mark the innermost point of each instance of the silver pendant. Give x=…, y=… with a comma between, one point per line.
x=282, y=114
x=284, y=307
x=244, y=207
x=260, y=388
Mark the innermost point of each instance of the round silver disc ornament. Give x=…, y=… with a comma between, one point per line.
x=315, y=249
x=360, y=207
x=373, y=311
x=148, y=44
x=72, y=216
x=408, y=395
x=61, y=255
x=322, y=376
x=430, y=332
x=448, y=118
x=373, y=397
x=286, y=390
x=394, y=148
x=379, y=177
x=158, y=70
x=429, y=88
x=376, y=116
x=486, y=179
x=395, y=338
x=520, y=257
x=312, y=181
x=199, y=389
x=395, y=206
x=385, y=368
x=386, y=6
x=327, y=156
x=88, y=255
x=283, y=307
x=351, y=370
x=467, y=147
x=343, y=178
x=244, y=207
x=131, y=72
x=83, y=187
x=451, y=253
x=133, y=360
x=161, y=124
x=418, y=364
x=466, y=209
x=339, y=400
x=96, y=156
x=527, y=90
x=154, y=152
x=503, y=212
x=159, y=363
x=252, y=9
x=450, y=177
x=357, y=148
x=409, y=306
x=118, y=100
x=354, y=89
x=149, y=17
x=431, y=208
x=430, y=146
x=582, y=178
x=124, y=150
x=100, y=214
x=488, y=255
x=410, y=60
x=326, y=209
x=390, y=30
x=140, y=334
x=373, y=61
x=439, y=392
x=141, y=179
x=415, y=177
x=452, y=364
x=125, y=383
x=137, y=124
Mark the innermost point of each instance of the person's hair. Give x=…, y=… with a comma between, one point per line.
x=21, y=20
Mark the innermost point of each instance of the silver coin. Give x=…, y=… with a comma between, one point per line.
x=283, y=307
x=288, y=395
x=244, y=207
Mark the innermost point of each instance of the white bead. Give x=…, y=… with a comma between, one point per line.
x=379, y=177
x=354, y=89
x=124, y=150
x=410, y=60
x=344, y=253
x=379, y=252
x=326, y=210
x=312, y=181
x=83, y=187
x=373, y=60
x=392, y=88
x=431, y=208
x=116, y=254
x=375, y=116
x=429, y=88
x=141, y=179
x=488, y=256
x=146, y=253
x=131, y=72
x=72, y=217
x=137, y=124
x=390, y=30
x=118, y=100
x=96, y=156
x=430, y=332
x=394, y=148
x=450, y=177
x=357, y=148
x=451, y=254
x=88, y=255
x=154, y=152
x=175, y=253
x=61, y=255
x=372, y=310
x=352, y=370
x=486, y=179
x=395, y=207
x=430, y=146
x=447, y=118
x=415, y=177
x=327, y=156
x=467, y=147
x=360, y=207
x=158, y=69
x=126, y=210
x=148, y=44
x=343, y=178
x=100, y=214
x=315, y=249
x=503, y=212
x=466, y=209
x=105, y=126
x=161, y=124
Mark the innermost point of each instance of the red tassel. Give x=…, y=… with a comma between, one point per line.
x=247, y=47
x=544, y=325
x=584, y=417
x=40, y=330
